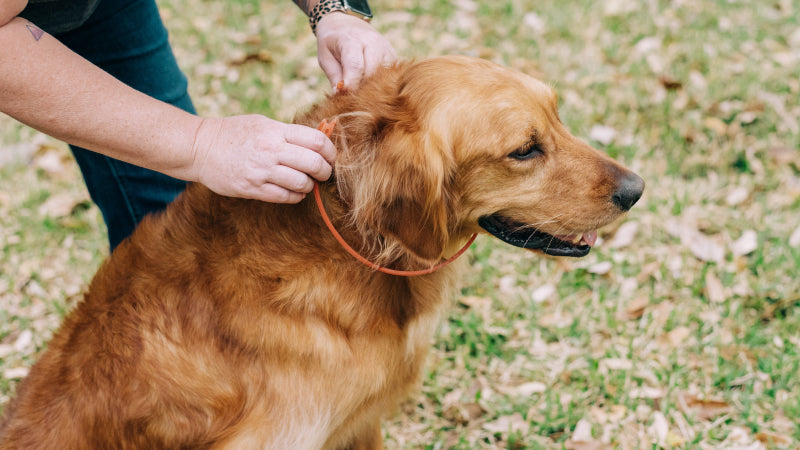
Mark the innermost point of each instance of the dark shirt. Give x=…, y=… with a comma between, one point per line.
x=58, y=16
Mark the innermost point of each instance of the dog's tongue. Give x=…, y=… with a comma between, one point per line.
x=590, y=238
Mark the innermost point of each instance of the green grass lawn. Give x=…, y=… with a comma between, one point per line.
x=680, y=329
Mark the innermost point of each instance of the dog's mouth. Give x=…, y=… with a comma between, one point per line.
x=520, y=235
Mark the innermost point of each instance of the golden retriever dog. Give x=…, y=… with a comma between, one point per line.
x=230, y=323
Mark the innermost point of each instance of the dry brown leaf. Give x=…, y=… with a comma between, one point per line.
x=737, y=196
x=731, y=352
x=60, y=205
x=602, y=134
x=53, y=162
x=675, y=337
x=600, y=268
x=716, y=125
x=582, y=438
x=5, y=350
x=530, y=388
x=508, y=424
x=624, y=235
x=557, y=320
x=17, y=153
x=715, y=292
x=614, y=364
x=648, y=392
x=794, y=239
x=474, y=302
x=660, y=427
x=543, y=293
x=586, y=445
x=670, y=83
x=15, y=373
x=703, y=247
x=770, y=438
x=583, y=431
x=703, y=409
x=784, y=155
x=259, y=56
x=463, y=413
x=746, y=244
x=650, y=270
x=636, y=307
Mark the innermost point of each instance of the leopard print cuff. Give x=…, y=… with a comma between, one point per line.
x=323, y=7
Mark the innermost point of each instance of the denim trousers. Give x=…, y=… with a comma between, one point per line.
x=127, y=39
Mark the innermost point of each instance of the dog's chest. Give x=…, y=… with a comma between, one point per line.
x=333, y=355
x=335, y=385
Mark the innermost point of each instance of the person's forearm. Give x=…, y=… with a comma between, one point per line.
x=48, y=87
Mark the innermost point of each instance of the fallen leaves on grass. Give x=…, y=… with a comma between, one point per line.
x=460, y=412
x=513, y=423
x=702, y=408
x=62, y=204
x=625, y=235
x=772, y=439
x=704, y=248
x=675, y=337
x=582, y=438
x=714, y=290
x=635, y=309
x=261, y=56
x=794, y=239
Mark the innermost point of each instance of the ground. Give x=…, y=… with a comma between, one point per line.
x=680, y=329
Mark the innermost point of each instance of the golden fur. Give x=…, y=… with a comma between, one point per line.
x=229, y=323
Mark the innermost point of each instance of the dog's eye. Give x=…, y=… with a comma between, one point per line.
x=529, y=150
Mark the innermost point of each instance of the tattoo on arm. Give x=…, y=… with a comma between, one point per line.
x=35, y=31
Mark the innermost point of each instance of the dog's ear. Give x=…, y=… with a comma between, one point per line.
x=394, y=171
x=413, y=203
x=397, y=182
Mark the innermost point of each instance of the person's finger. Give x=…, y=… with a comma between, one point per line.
x=311, y=139
x=389, y=57
x=272, y=193
x=329, y=65
x=376, y=56
x=352, y=60
x=290, y=179
x=305, y=161
x=372, y=60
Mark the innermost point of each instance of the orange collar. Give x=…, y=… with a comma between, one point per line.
x=327, y=128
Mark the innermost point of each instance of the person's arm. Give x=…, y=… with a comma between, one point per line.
x=348, y=48
x=48, y=87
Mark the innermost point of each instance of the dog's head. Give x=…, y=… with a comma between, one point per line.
x=435, y=150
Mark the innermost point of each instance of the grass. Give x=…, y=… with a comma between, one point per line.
x=685, y=336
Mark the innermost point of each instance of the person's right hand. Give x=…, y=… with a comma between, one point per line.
x=259, y=158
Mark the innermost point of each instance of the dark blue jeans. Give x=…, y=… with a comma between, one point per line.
x=127, y=39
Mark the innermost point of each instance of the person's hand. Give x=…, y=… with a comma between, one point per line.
x=349, y=49
x=259, y=158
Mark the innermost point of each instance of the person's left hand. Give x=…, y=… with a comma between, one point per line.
x=349, y=49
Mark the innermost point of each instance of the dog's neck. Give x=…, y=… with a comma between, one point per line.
x=369, y=245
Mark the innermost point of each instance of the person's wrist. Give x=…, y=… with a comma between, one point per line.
x=207, y=131
x=322, y=9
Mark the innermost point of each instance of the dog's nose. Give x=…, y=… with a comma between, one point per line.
x=629, y=191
